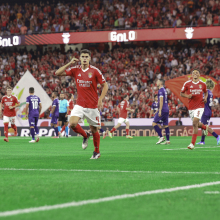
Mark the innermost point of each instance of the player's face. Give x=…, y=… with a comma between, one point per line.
x=156, y=99
x=85, y=58
x=61, y=96
x=9, y=92
x=195, y=75
x=158, y=83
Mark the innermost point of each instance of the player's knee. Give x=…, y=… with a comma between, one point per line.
x=195, y=124
x=73, y=124
x=153, y=124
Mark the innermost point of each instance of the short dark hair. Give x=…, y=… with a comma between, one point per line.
x=155, y=96
x=163, y=81
x=55, y=93
x=195, y=69
x=31, y=89
x=9, y=87
x=85, y=51
x=69, y=95
x=125, y=96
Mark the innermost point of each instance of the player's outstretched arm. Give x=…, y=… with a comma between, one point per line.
x=61, y=70
x=104, y=91
x=151, y=113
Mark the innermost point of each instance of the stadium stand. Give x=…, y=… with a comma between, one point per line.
x=53, y=16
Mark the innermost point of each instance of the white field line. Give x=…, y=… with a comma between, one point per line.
x=107, y=171
x=195, y=148
x=212, y=192
x=105, y=199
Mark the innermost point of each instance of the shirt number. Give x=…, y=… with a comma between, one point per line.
x=35, y=104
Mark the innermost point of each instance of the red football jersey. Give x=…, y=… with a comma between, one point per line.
x=71, y=105
x=197, y=90
x=123, y=112
x=9, y=101
x=86, y=84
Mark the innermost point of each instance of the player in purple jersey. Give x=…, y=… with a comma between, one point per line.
x=55, y=113
x=33, y=105
x=163, y=113
x=154, y=106
x=208, y=113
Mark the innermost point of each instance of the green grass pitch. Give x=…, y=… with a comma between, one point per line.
x=58, y=171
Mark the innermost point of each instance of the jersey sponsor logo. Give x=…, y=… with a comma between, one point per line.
x=83, y=83
x=90, y=75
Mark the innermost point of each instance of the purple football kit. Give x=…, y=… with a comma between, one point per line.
x=165, y=109
x=55, y=115
x=34, y=102
x=208, y=109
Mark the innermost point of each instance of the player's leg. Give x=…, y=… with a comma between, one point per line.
x=156, y=120
x=36, y=129
x=12, y=120
x=31, y=121
x=76, y=114
x=54, y=126
x=204, y=121
x=93, y=118
x=127, y=129
x=96, y=142
x=6, y=122
x=66, y=128
x=165, y=120
x=120, y=121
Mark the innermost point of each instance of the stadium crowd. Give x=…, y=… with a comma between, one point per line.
x=132, y=69
x=49, y=16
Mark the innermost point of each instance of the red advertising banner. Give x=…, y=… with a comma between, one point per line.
x=175, y=86
x=112, y=36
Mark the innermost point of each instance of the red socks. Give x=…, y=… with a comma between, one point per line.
x=63, y=128
x=127, y=131
x=96, y=141
x=6, y=129
x=203, y=127
x=194, y=136
x=113, y=129
x=14, y=127
x=78, y=129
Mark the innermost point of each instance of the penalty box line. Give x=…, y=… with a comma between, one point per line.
x=108, y=171
x=105, y=199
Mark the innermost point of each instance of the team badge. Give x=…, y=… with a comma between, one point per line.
x=200, y=86
x=90, y=75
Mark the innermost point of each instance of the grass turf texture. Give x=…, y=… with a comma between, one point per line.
x=24, y=189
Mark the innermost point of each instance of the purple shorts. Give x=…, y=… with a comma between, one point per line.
x=54, y=119
x=33, y=121
x=205, y=119
x=163, y=119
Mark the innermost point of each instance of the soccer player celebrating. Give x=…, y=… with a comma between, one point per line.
x=10, y=102
x=123, y=109
x=163, y=113
x=71, y=105
x=208, y=112
x=86, y=77
x=55, y=113
x=33, y=103
x=194, y=92
x=63, y=114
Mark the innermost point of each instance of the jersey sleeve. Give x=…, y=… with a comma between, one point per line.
x=70, y=71
x=3, y=101
x=39, y=100
x=160, y=93
x=16, y=100
x=205, y=88
x=100, y=78
x=184, y=88
x=54, y=103
x=27, y=100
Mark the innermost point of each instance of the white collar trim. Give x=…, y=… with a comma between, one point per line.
x=196, y=82
x=85, y=69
